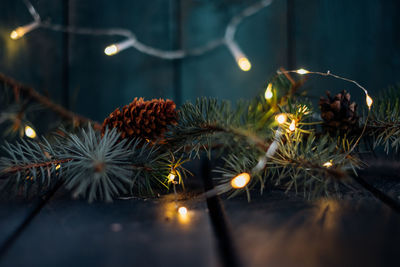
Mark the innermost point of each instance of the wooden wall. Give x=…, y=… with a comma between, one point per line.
x=356, y=39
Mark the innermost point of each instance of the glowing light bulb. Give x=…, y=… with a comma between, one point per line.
x=29, y=132
x=241, y=180
x=171, y=177
x=244, y=64
x=182, y=211
x=21, y=31
x=111, y=50
x=58, y=166
x=328, y=164
x=302, y=71
x=369, y=101
x=268, y=93
x=281, y=118
x=292, y=126
x=15, y=35
x=118, y=47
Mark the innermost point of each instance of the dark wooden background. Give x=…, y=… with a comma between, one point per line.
x=356, y=39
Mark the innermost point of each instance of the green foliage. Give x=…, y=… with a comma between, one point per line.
x=384, y=123
x=89, y=165
x=303, y=159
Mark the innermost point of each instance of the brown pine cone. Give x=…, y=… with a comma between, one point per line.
x=338, y=112
x=143, y=119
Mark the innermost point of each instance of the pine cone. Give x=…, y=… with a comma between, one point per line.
x=143, y=119
x=338, y=112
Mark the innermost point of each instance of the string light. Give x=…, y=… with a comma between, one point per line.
x=244, y=64
x=292, y=126
x=241, y=59
x=328, y=164
x=241, y=180
x=116, y=48
x=58, y=166
x=21, y=31
x=30, y=132
x=182, y=211
x=268, y=93
x=369, y=101
x=281, y=118
x=131, y=41
x=171, y=177
x=302, y=71
x=183, y=215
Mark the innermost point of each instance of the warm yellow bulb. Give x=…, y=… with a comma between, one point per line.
x=369, y=101
x=302, y=71
x=281, y=118
x=58, y=166
x=171, y=177
x=241, y=180
x=111, y=50
x=14, y=35
x=268, y=92
x=29, y=132
x=328, y=164
x=182, y=211
x=244, y=64
x=292, y=126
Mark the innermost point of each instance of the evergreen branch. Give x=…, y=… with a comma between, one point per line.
x=89, y=165
x=31, y=93
x=384, y=123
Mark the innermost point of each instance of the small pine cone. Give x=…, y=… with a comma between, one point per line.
x=144, y=119
x=338, y=112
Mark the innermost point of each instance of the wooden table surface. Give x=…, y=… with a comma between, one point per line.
x=274, y=229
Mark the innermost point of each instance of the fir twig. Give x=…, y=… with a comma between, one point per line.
x=19, y=89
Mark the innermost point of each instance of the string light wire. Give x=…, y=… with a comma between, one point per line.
x=132, y=42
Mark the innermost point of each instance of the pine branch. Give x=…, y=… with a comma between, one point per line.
x=384, y=122
x=31, y=93
x=90, y=165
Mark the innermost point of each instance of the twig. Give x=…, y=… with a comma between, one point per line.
x=76, y=119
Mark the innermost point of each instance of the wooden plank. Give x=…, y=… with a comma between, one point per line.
x=280, y=230
x=135, y=232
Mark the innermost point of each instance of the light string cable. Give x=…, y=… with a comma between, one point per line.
x=131, y=41
x=368, y=99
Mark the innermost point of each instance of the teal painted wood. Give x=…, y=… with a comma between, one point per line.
x=104, y=82
x=36, y=59
x=262, y=38
x=355, y=39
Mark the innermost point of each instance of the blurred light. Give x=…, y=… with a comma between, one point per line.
x=171, y=177
x=328, y=164
x=281, y=118
x=14, y=35
x=29, y=132
x=182, y=211
x=369, y=101
x=292, y=126
x=268, y=92
x=244, y=64
x=111, y=50
x=58, y=166
x=21, y=31
x=240, y=180
x=302, y=71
